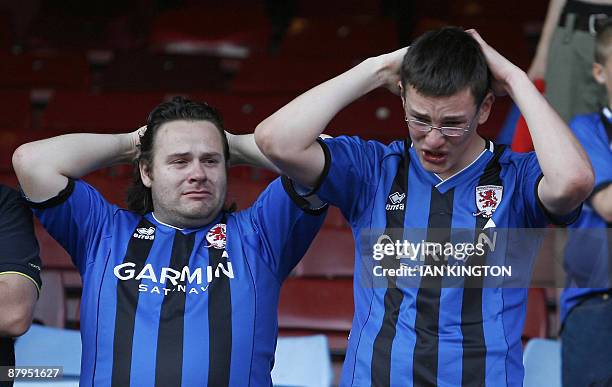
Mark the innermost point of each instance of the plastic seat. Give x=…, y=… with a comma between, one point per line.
x=285, y=75
x=47, y=346
x=118, y=112
x=332, y=254
x=542, y=361
x=344, y=37
x=15, y=109
x=198, y=29
x=536, y=321
x=242, y=112
x=53, y=71
x=51, y=305
x=302, y=361
x=52, y=254
x=131, y=71
x=315, y=306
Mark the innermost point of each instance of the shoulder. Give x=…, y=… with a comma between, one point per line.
x=369, y=148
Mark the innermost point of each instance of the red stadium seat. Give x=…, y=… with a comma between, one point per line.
x=15, y=109
x=205, y=29
x=140, y=72
x=334, y=37
x=288, y=76
x=243, y=192
x=73, y=111
x=536, y=321
x=6, y=31
x=379, y=116
x=312, y=306
x=332, y=254
x=52, y=254
x=51, y=306
x=242, y=112
x=29, y=71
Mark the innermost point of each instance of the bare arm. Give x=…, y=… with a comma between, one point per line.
x=568, y=176
x=602, y=203
x=43, y=167
x=538, y=65
x=17, y=304
x=243, y=150
x=288, y=137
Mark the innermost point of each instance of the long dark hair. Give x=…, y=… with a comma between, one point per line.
x=139, y=197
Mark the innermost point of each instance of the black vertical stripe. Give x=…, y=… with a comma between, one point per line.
x=169, y=363
x=219, y=322
x=425, y=364
x=125, y=316
x=383, y=344
x=472, y=328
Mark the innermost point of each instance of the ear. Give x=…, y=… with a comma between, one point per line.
x=145, y=173
x=598, y=73
x=402, y=95
x=485, y=108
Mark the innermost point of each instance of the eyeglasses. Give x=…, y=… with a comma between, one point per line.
x=449, y=131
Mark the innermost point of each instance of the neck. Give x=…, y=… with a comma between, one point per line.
x=181, y=224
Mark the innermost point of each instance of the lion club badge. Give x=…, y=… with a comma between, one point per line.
x=216, y=236
x=487, y=199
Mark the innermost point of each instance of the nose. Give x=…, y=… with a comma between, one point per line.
x=434, y=139
x=197, y=172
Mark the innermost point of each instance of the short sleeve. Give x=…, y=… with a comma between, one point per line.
x=348, y=180
x=77, y=218
x=284, y=228
x=529, y=177
x=593, y=139
x=19, y=251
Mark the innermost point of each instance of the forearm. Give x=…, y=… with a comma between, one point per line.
x=44, y=166
x=550, y=23
x=296, y=126
x=243, y=150
x=602, y=203
x=568, y=176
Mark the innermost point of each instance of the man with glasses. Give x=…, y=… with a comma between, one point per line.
x=441, y=178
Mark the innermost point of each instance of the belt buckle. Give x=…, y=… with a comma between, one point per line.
x=593, y=19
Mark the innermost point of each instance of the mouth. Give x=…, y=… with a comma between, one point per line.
x=197, y=194
x=434, y=157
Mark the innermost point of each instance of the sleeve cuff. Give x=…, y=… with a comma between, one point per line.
x=54, y=201
x=325, y=171
x=558, y=220
x=23, y=271
x=308, y=202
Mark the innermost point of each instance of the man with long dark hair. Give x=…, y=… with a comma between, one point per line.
x=442, y=177
x=176, y=290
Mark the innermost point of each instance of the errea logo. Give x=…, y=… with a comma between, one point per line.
x=396, y=199
x=145, y=233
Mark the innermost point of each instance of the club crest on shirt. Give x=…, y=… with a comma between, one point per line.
x=147, y=233
x=216, y=236
x=488, y=198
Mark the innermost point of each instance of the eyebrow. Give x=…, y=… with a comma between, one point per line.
x=456, y=118
x=188, y=154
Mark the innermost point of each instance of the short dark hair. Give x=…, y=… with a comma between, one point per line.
x=603, y=41
x=139, y=197
x=443, y=62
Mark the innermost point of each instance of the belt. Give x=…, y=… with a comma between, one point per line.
x=586, y=16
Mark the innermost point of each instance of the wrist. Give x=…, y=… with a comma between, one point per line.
x=130, y=145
